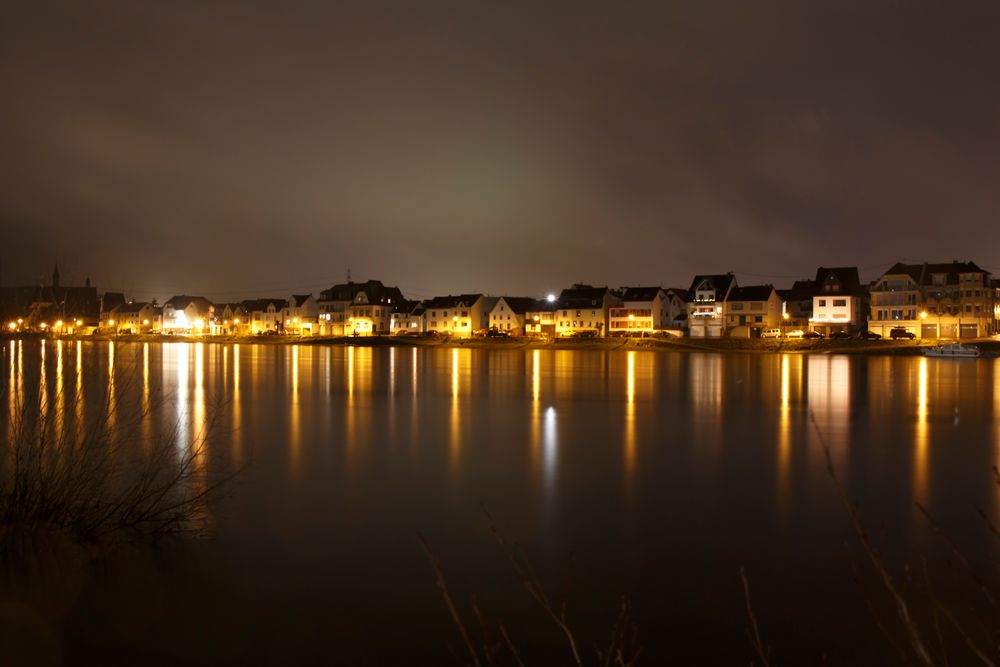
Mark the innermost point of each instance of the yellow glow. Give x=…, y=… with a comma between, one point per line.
x=920, y=455
x=923, y=314
x=455, y=319
x=236, y=320
x=785, y=316
x=12, y=326
x=79, y=323
x=199, y=324
x=146, y=322
x=20, y=321
x=630, y=416
x=111, y=323
x=536, y=318
x=43, y=325
x=58, y=323
x=631, y=316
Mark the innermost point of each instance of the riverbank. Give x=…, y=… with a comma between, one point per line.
x=989, y=346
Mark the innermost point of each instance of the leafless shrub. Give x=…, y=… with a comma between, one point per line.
x=100, y=479
x=622, y=649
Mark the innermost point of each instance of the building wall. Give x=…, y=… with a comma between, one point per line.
x=503, y=318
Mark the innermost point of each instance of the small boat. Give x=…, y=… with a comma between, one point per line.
x=953, y=350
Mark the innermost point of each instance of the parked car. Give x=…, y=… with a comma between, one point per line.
x=815, y=335
x=869, y=335
x=497, y=333
x=840, y=335
x=771, y=333
x=797, y=333
x=900, y=332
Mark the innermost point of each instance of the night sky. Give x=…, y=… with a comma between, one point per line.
x=238, y=149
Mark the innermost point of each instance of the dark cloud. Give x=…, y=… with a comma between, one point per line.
x=243, y=148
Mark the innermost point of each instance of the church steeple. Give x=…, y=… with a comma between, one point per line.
x=55, y=276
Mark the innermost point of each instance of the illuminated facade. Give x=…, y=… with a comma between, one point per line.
x=540, y=319
x=301, y=315
x=643, y=311
x=954, y=300
x=840, y=302
x=461, y=315
x=509, y=313
x=752, y=309
x=359, y=309
x=137, y=317
x=707, y=306
x=585, y=310
x=265, y=315
x=187, y=314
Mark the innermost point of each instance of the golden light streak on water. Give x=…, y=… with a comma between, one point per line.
x=180, y=352
x=349, y=416
x=536, y=410
x=630, y=416
x=13, y=400
x=43, y=389
x=920, y=454
x=60, y=424
x=237, y=425
x=829, y=397
x=198, y=417
x=112, y=398
x=78, y=398
x=145, y=377
x=455, y=421
x=295, y=417
x=706, y=396
x=784, y=426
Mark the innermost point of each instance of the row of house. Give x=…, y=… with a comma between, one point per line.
x=950, y=300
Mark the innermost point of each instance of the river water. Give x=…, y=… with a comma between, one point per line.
x=656, y=475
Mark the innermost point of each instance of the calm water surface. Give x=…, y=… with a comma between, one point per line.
x=652, y=474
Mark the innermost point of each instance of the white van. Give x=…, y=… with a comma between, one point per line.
x=771, y=333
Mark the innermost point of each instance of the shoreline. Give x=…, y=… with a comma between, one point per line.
x=989, y=346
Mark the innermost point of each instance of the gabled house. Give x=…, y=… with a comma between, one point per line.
x=461, y=315
x=301, y=315
x=752, y=309
x=798, y=304
x=230, y=319
x=358, y=308
x=187, y=314
x=643, y=310
x=677, y=308
x=953, y=300
x=840, y=302
x=265, y=315
x=137, y=317
x=540, y=318
x=707, y=304
x=110, y=303
x=585, y=310
x=509, y=313
x=407, y=317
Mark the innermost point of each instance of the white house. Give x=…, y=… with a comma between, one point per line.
x=707, y=305
x=187, y=314
x=362, y=309
x=540, y=319
x=265, y=315
x=461, y=315
x=643, y=310
x=301, y=315
x=585, y=310
x=509, y=314
x=839, y=300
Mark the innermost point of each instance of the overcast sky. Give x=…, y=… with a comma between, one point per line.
x=236, y=149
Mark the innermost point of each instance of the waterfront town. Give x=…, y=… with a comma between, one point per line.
x=913, y=301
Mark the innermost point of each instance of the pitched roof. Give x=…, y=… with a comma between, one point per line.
x=373, y=289
x=112, y=300
x=518, y=304
x=640, y=293
x=450, y=301
x=802, y=290
x=921, y=273
x=582, y=296
x=837, y=281
x=720, y=282
x=134, y=307
x=252, y=305
x=182, y=301
x=751, y=293
x=300, y=299
x=543, y=306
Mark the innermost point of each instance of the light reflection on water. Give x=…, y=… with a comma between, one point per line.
x=700, y=440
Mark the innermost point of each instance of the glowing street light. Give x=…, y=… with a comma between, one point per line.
x=12, y=326
x=551, y=298
x=145, y=322
x=79, y=323
x=111, y=323
x=785, y=316
x=923, y=314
